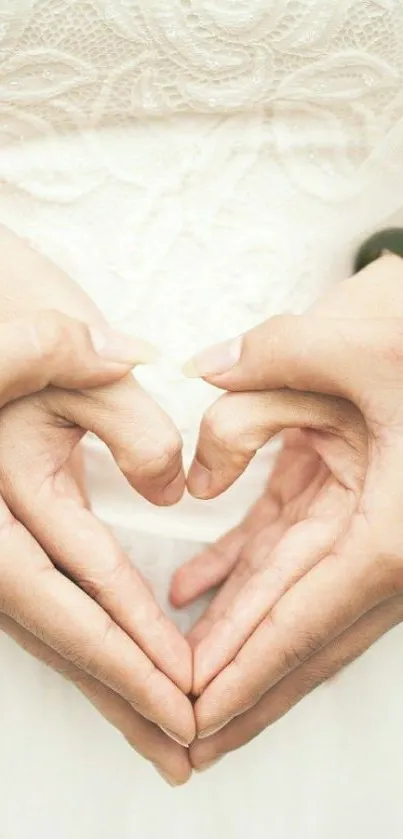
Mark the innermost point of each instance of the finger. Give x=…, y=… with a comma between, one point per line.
x=206, y=570
x=84, y=549
x=48, y=502
x=304, y=472
x=289, y=691
x=239, y=424
x=51, y=607
x=213, y=565
x=170, y=759
x=142, y=438
x=75, y=474
x=301, y=548
x=252, y=557
x=332, y=596
x=329, y=355
x=51, y=348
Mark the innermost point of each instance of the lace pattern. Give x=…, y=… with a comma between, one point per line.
x=198, y=165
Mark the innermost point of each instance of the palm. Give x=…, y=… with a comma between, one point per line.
x=310, y=497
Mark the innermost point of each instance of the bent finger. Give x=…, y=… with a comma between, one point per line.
x=293, y=688
x=82, y=547
x=318, y=608
x=52, y=608
x=211, y=567
x=143, y=736
x=142, y=439
x=239, y=424
x=47, y=500
x=302, y=547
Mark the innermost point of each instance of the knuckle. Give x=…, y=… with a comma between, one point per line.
x=159, y=454
x=219, y=424
x=146, y=689
x=387, y=558
x=297, y=649
x=291, y=657
x=88, y=657
x=279, y=328
x=305, y=646
x=243, y=568
x=107, y=581
x=222, y=427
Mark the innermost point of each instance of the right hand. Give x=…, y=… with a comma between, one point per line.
x=91, y=615
x=326, y=581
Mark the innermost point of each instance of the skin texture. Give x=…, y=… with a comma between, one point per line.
x=311, y=578
x=68, y=593
x=314, y=574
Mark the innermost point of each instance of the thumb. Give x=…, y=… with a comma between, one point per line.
x=335, y=356
x=51, y=348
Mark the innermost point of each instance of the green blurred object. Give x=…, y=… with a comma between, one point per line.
x=390, y=239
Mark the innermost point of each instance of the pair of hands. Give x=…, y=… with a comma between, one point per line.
x=314, y=572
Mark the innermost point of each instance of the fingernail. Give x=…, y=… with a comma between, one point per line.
x=209, y=764
x=199, y=480
x=122, y=348
x=168, y=778
x=215, y=360
x=175, y=737
x=208, y=732
x=174, y=491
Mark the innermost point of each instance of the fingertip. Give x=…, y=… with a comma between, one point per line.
x=214, y=361
x=169, y=778
x=183, y=590
x=174, y=491
x=199, y=481
x=204, y=754
x=180, y=725
x=177, y=598
x=119, y=347
x=177, y=770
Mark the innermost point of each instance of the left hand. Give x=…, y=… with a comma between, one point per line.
x=323, y=578
x=68, y=592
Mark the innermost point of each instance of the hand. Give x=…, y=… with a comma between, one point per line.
x=329, y=581
x=90, y=615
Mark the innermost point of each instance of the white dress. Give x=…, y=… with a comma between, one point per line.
x=199, y=165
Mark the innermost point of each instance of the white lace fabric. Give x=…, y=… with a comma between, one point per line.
x=93, y=61
x=198, y=165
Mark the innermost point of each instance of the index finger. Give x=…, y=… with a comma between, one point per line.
x=51, y=607
x=239, y=424
x=169, y=758
x=83, y=547
x=142, y=438
x=318, y=608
